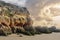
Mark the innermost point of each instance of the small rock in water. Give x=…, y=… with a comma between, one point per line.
x=20, y=35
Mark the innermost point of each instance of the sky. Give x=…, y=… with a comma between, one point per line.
x=35, y=7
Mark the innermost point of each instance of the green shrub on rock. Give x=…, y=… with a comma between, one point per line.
x=30, y=30
x=42, y=30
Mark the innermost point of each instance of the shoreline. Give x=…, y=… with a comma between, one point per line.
x=52, y=36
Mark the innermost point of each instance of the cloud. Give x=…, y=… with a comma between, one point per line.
x=16, y=2
x=35, y=7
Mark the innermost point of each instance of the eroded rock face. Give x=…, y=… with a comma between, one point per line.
x=12, y=16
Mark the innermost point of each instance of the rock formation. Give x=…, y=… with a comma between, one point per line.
x=14, y=17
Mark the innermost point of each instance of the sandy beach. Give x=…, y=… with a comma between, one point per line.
x=53, y=36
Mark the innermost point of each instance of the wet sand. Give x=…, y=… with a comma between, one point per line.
x=53, y=36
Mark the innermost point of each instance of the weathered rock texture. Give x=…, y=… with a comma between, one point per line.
x=13, y=17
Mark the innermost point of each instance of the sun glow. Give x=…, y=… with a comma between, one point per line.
x=56, y=6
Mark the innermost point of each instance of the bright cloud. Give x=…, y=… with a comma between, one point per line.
x=16, y=2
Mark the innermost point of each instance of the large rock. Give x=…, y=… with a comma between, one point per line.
x=14, y=17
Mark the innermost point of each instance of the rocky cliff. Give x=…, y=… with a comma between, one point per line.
x=14, y=17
